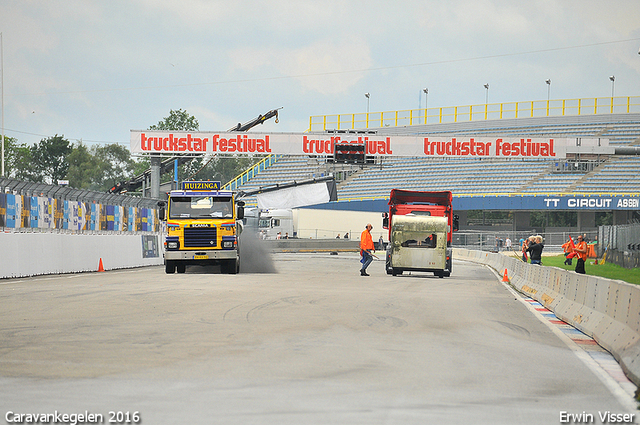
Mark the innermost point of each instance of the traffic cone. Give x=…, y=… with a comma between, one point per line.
x=505, y=278
x=100, y=266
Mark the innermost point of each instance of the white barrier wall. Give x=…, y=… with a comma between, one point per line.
x=607, y=310
x=30, y=254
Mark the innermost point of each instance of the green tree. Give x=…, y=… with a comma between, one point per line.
x=83, y=169
x=178, y=121
x=114, y=164
x=49, y=158
x=17, y=159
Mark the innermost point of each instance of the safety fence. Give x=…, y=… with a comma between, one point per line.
x=497, y=240
x=605, y=309
x=33, y=207
x=622, y=244
x=488, y=111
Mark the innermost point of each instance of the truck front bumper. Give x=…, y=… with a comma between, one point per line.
x=210, y=254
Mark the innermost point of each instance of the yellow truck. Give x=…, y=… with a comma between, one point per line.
x=203, y=227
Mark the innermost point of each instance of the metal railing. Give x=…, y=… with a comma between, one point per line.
x=241, y=179
x=490, y=111
x=28, y=207
x=622, y=244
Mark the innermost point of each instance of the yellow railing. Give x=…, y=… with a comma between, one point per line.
x=491, y=111
x=251, y=172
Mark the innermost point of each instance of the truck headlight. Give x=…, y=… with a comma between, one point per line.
x=227, y=244
x=172, y=245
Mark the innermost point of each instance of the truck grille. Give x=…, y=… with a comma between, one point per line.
x=200, y=237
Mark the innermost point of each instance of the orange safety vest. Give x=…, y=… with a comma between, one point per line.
x=366, y=241
x=583, y=255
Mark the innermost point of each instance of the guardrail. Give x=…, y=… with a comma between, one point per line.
x=490, y=111
x=607, y=310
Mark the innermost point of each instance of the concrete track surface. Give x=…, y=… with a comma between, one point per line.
x=314, y=343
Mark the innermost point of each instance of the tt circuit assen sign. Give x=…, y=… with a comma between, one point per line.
x=549, y=202
x=169, y=142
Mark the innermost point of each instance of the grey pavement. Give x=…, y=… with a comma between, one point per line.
x=314, y=343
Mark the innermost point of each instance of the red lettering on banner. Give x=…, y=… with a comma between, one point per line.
x=214, y=143
x=526, y=147
x=241, y=143
x=318, y=145
x=173, y=144
x=143, y=142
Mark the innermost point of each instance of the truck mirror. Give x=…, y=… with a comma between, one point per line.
x=456, y=222
x=161, y=210
x=240, y=212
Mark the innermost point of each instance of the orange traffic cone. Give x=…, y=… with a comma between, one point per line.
x=505, y=278
x=100, y=266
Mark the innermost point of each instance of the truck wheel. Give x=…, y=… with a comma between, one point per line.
x=169, y=267
x=387, y=264
x=440, y=274
x=182, y=268
x=230, y=267
x=395, y=271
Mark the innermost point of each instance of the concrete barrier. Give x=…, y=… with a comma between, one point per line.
x=312, y=245
x=31, y=254
x=607, y=310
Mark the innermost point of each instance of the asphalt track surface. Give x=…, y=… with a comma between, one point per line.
x=314, y=343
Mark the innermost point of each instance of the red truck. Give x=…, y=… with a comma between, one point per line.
x=420, y=230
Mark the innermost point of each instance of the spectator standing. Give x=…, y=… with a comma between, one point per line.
x=535, y=250
x=525, y=245
x=346, y=236
x=507, y=243
x=581, y=250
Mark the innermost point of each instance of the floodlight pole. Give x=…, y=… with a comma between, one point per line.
x=2, y=101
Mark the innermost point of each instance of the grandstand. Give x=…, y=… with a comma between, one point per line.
x=588, y=173
x=595, y=175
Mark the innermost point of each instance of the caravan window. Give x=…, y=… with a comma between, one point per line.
x=428, y=242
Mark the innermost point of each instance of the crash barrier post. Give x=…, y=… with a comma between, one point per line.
x=607, y=310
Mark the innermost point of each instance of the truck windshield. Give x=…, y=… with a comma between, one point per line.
x=264, y=223
x=200, y=207
x=430, y=241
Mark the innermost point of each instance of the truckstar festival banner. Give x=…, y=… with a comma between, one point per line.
x=170, y=142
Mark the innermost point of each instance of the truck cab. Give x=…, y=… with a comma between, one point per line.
x=203, y=226
x=420, y=232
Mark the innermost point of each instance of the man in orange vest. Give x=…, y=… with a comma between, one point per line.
x=581, y=250
x=366, y=247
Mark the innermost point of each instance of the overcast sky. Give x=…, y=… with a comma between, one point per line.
x=94, y=70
